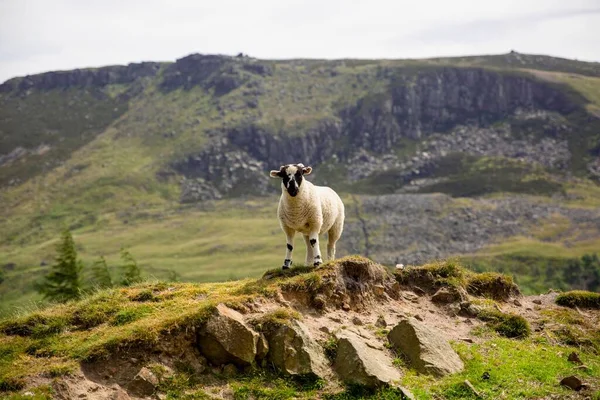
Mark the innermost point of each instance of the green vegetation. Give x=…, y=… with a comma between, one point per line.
x=579, y=298
x=432, y=276
x=101, y=275
x=535, y=273
x=63, y=282
x=132, y=273
x=507, y=325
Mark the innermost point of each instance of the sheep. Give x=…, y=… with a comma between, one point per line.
x=310, y=210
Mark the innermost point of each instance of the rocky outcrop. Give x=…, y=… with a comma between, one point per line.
x=219, y=72
x=293, y=351
x=415, y=106
x=358, y=364
x=81, y=78
x=227, y=339
x=426, y=349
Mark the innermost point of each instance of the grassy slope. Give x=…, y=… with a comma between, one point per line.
x=54, y=340
x=107, y=191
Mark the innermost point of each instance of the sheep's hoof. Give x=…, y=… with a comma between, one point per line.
x=285, y=267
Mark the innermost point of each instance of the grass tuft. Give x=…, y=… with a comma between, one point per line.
x=492, y=285
x=507, y=325
x=579, y=298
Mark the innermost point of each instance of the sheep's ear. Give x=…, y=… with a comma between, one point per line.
x=306, y=170
x=274, y=174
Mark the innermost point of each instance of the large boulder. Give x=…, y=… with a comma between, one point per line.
x=425, y=347
x=294, y=352
x=356, y=363
x=226, y=339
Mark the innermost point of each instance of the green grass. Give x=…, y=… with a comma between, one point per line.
x=579, y=298
x=507, y=325
x=538, y=367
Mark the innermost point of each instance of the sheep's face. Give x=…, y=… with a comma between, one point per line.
x=291, y=176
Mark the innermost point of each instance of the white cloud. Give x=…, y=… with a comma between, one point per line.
x=38, y=35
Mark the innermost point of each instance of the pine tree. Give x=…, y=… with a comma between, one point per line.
x=63, y=282
x=100, y=274
x=132, y=273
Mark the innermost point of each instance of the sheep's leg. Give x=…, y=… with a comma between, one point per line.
x=309, y=251
x=316, y=250
x=289, y=234
x=334, y=235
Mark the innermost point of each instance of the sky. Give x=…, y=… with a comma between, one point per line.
x=46, y=35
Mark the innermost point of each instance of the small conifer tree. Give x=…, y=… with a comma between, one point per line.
x=131, y=271
x=101, y=275
x=63, y=282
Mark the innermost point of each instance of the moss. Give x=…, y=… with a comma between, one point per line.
x=493, y=285
x=507, y=325
x=579, y=298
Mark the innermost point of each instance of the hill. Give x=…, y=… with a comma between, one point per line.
x=489, y=157
x=349, y=329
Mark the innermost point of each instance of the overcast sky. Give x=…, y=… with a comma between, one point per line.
x=43, y=35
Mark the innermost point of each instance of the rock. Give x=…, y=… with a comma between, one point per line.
x=325, y=329
x=358, y=364
x=262, y=347
x=119, y=394
x=446, y=295
x=294, y=352
x=381, y=322
x=418, y=316
x=357, y=321
x=425, y=347
x=470, y=310
x=537, y=301
x=379, y=290
x=230, y=370
x=517, y=303
x=574, y=357
x=413, y=298
x=346, y=307
x=572, y=382
x=227, y=339
x=144, y=383
x=319, y=301
x=466, y=339
x=485, y=376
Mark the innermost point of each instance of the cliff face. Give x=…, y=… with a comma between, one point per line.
x=82, y=78
x=415, y=106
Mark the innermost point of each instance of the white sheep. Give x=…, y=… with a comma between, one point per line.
x=310, y=210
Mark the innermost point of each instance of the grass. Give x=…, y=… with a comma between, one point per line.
x=537, y=367
x=579, y=298
x=452, y=273
x=507, y=325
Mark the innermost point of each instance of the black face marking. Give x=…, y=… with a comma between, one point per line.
x=317, y=257
x=290, y=247
x=291, y=182
x=313, y=242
